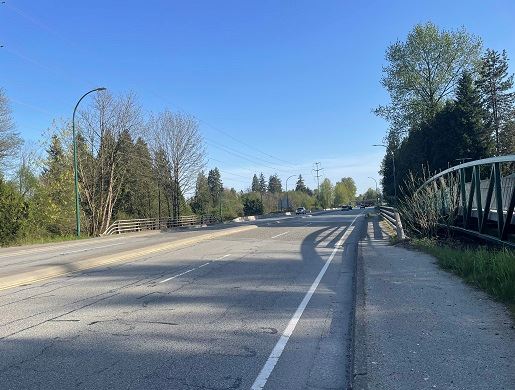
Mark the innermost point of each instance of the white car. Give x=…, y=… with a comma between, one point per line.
x=300, y=210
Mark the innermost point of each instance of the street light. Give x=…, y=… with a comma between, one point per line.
x=287, y=198
x=75, y=173
x=393, y=163
x=377, y=193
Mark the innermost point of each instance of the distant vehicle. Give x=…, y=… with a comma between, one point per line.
x=300, y=210
x=346, y=207
x=362, y=206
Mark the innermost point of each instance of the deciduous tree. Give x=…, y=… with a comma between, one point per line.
x=9, y=138
x=326, y=193
x=422, y=72
x=178, y=136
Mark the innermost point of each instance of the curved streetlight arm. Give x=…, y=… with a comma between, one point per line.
x=75, y=168
x=82, y=97
x=287, y=197
x=370, y=177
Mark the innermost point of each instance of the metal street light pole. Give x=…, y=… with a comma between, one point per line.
x=394, y=178
x=377, y=193
x=75, y=173
x=287, y=198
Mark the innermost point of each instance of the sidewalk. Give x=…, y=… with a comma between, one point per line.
x=419, y=327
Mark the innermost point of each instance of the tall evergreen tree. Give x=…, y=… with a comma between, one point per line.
x=475, y=141
x=262, y=183
x=137, y=197
x=387, y=170
x=300, y=185
x=13, y=212
x=274, y=184
x=214, y=182
x=201, y=203
x=255, y=184
x=507, y=137
x=164, y=182
x=57, y=199
x=496, y=87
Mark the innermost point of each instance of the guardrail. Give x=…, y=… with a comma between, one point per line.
x=484, y=192
x=391, y=216
x=136, y=225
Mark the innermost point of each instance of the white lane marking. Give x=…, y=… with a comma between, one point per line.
x=279, y=235
x=176, y=276
x=192, y=269
x=272, y=360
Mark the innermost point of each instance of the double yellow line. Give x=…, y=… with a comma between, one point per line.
x=53, y=271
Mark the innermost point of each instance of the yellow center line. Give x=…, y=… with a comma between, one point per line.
x=53, y=271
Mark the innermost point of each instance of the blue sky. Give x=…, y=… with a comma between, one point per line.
x=276, y=85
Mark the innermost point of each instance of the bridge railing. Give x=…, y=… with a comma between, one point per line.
x=480, y=197
x=392, y=216
x=135, y=225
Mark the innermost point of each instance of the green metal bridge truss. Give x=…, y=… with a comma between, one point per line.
x=486, y=198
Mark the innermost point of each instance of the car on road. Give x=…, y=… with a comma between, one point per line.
x=362, y=206
x=300, y=210
x=346, y=207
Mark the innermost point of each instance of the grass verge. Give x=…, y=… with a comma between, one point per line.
x=492, y=270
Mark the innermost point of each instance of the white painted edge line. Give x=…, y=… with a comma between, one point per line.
x=192, y=269
x=272, y=360
x=90, y=248
x=43, y=248
x=279, y=235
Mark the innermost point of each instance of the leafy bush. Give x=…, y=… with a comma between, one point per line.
x=252, y=206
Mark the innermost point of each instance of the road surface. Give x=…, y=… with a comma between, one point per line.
x=270, y=308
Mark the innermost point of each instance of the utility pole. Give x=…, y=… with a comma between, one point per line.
x=317, y=170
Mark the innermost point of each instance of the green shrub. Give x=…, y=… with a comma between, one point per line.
x=13, y=213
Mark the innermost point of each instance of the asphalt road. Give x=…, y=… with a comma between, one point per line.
x=270, y=308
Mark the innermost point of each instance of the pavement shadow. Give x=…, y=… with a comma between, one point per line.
x=210, y=329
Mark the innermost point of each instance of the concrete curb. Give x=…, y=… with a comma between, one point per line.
x=49, y=272
x=359, y=347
